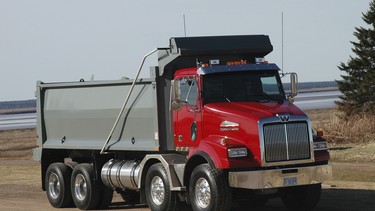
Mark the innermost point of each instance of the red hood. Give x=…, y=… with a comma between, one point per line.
x=246, y=115
x=254, y=110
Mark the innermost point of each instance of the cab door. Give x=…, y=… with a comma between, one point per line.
x=186, y=113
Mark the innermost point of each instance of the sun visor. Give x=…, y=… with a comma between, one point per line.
x=186, y=52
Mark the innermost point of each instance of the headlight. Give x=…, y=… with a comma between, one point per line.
x=237, y=152
x=322, y=145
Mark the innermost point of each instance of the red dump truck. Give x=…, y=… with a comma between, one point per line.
x=212, y=126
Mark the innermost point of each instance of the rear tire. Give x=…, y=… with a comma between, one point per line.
x=57, y=184
x=158, y=190
x=85, y=191
x=209, y=189
x=301, y=197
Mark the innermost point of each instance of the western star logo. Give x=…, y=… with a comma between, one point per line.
x=283, y=117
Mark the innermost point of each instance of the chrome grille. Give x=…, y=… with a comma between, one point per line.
x=286, y=141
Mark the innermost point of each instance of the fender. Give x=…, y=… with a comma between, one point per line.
x=214, y=152
x=196, y=157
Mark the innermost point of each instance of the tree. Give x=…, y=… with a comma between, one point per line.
x=358, y=85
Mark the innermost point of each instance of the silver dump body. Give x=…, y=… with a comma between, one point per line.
x=80, y=115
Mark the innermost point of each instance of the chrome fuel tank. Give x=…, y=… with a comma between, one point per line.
x=121, y=174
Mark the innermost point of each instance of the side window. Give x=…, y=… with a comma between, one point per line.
x=270, y=85
x=186, y=90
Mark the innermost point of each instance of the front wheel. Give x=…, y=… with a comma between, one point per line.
x=209, y=189
x=301, y=197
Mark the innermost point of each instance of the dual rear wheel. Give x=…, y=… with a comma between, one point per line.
x=66, y=187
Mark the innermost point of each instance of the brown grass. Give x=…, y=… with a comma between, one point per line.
x=360, y=129
x=17, y=144
x=349, y=141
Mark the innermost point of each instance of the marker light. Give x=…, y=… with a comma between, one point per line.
x=319, y=133
x=225, y=141
x=237, y=62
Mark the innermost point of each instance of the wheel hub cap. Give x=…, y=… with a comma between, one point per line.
x=54, y=185
x=157, y=190
x=80, y=187
x=202, y=193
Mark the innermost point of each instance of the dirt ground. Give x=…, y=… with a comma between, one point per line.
x=20, y=189
x=352, y=186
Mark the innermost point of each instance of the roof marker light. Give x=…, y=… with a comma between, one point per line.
x=214, y=62
x=259, y=60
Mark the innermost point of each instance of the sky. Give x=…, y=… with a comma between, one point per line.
x=69, y=40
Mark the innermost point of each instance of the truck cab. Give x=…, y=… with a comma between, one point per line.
x=244, y=110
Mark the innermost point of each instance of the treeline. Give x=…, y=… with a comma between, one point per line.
x=21, y=104
x=312, y=85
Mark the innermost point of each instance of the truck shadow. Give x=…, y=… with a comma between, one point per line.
x=339, y=148
x=334, y=200
x=331, y=200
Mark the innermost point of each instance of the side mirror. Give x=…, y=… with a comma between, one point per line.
x=293, y=85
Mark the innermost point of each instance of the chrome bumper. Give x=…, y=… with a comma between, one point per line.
x=279, y=177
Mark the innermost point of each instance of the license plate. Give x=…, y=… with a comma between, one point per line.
x=290, y=181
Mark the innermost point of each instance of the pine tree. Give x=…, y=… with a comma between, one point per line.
x=358, y=85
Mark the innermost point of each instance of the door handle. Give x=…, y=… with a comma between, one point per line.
x=194, y=110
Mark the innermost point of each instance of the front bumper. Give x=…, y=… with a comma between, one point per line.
x=278, y=178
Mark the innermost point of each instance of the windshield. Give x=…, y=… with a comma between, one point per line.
x=250, y=86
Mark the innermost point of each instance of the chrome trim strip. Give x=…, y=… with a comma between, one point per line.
x=286, y=142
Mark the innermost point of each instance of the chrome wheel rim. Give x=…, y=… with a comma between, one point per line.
x=80, y=187
x=54, y=186
x=202, y=193
x=157, y=190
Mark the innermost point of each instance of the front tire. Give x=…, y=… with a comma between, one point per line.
x=301, y=197
x=84, y=189
x=57, y=184
x=209, y=189
x=158, y=190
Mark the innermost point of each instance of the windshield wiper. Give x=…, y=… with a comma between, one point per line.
x=267, y=97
